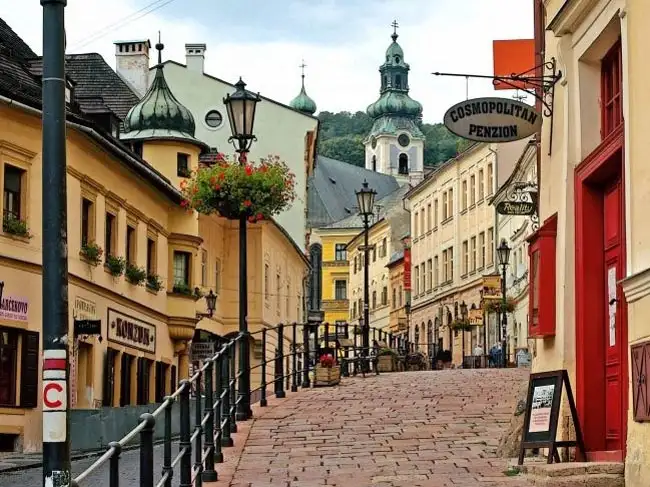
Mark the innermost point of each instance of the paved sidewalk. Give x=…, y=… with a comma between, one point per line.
x=428, y=429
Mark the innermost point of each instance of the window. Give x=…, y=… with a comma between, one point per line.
x=445, y=266
x=204, y=268
x=422, y=221
x=181, y=268
x=435, y=212
x=213, y=119
x=472, y=190
x=490, y=246
x=374, y=253
x=429, y=274
x=393, y=303
x=473, y=250
x=374, y=299
x=13, y=189
x=384, y=296
x=267, y=288
x=464, y=195
x=481, y=185
x=374, y=163
x=450, y=255
x=110, y=234
x=151, y=256
x=354, y=268
x=417, y=280
x=416, y=221
x=423, y=276
x=217, y=276
x=429, y=221
x=611, y=89
x=490, y=183
x=130, y=245
x=464, y=264
x=8, y=366
x=354, y=309
x=403, y=164
x=340, y=289
x=481, y=244
x=445, y=206
x=400, y=296
x=450, y=195
x=384, y=248
x=182, y=165
x=436, y=271
x=87, y=221
x=340, y=253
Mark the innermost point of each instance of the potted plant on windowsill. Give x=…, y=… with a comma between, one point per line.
x=154, y=282
x=115, y=265
x=232, y=190
x=13, y=225
x=92, y=253
x=135, y=275
x=327, y=372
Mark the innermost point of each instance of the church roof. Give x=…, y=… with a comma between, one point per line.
x=331, y=190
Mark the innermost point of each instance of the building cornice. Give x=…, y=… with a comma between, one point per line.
x=569, y=16
x=636, y=286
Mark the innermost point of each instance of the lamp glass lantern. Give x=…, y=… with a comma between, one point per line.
x=241, y=106
x=366, y=199
x=211, y=302
x=503, y=253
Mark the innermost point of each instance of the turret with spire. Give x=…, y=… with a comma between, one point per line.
x=303, y=102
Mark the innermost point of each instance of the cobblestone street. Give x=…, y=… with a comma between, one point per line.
x=432, y=429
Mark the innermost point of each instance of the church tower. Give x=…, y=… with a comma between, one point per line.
x=395, y=144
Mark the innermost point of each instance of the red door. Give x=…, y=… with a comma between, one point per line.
x=615, y=329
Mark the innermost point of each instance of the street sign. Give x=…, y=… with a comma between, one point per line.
x=201, y=351
x=493, y=120
x=315, y=316
x=87, y=327
x=516, y=208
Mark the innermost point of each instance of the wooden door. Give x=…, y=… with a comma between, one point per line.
x=615, y=325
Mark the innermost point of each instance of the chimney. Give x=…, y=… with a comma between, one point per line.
x=195, y=57
x=132, y=62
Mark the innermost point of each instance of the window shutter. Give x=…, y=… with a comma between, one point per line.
x=640, y=367
x=29, y=372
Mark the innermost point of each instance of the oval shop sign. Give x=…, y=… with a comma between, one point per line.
x=493, y=120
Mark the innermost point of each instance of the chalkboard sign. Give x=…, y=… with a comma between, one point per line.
x=542, y=415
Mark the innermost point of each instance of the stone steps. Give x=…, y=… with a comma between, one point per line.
x=576, y=474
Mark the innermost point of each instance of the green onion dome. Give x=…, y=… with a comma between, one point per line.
x=303, y=103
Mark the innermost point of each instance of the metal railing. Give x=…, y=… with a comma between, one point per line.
x=214, y=387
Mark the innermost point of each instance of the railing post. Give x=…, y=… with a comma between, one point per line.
x=146, y=450
x=114, y=465
x=167, y=444
x=294, y=341
x=346, y=369
x=305, y=345
x=279, y=364
x=185, y=444
x=356, y=350
x=198, y=419
x=263, y=401
x=224, y=367
x=209, y=473
x=326, y=336
x=232, y=354
x=216, y=409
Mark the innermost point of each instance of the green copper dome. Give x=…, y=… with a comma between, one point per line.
x=303, y=103
x=395, y=103
x=159, y=115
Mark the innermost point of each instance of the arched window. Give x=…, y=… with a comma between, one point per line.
x=398, y=81
x=403, y=164
x=417, y=337
x=430, y=349
x=374, y=163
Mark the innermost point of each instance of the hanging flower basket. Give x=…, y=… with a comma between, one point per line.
x=461, y=325
x=230, y=189
x=495, y=306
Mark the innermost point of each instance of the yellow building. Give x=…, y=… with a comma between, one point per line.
x=138, y=261
x=398, y=295
x=590, y=296
x=453, y=244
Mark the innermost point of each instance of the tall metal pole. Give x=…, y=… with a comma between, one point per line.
x=244, y=405
x=366, y=295
x=504, y=315
x=55, y=394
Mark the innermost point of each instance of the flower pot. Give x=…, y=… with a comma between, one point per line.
x=327, y=376
x=386, y=363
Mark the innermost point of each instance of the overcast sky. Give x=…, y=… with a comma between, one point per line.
x=342, y=41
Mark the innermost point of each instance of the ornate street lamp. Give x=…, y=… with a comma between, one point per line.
x=241, y=107
x=366, y=202
x=503, y=257
x=463, y=318
x=211, y=302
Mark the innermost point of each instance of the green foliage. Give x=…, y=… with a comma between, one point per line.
x=92, y=252
x=115, y=265
x=15, y=226
x=181, y=288
x=135, y=275
x=342, y=134
x=496, y=305
x=154, y=282
x=231, y=189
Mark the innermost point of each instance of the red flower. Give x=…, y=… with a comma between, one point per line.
x=251, y=219
x=213, y=180
x=222, y=176
x=249, y=170
x=247, y=203
x=185, y=203
x=217, y=187
x=220, y=157
x=260, y=216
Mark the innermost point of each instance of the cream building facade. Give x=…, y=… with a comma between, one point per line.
x=453, y=230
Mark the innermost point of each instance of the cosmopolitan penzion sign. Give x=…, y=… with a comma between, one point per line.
x=493, y=120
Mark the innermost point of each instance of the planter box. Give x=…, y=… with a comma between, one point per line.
x=386, y=363
x=327, y=376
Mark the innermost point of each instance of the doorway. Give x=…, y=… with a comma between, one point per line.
x=601, y=320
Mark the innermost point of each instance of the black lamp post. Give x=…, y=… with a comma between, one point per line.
x=503, y=255
x=241, y=115
x=366, y=201
x=463, y=317
x=211, y=302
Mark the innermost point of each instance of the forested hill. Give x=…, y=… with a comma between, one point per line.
x=342, y=134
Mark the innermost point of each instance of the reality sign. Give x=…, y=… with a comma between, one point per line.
x=493, y=120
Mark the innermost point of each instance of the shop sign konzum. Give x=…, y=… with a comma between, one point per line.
x=130, y=331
